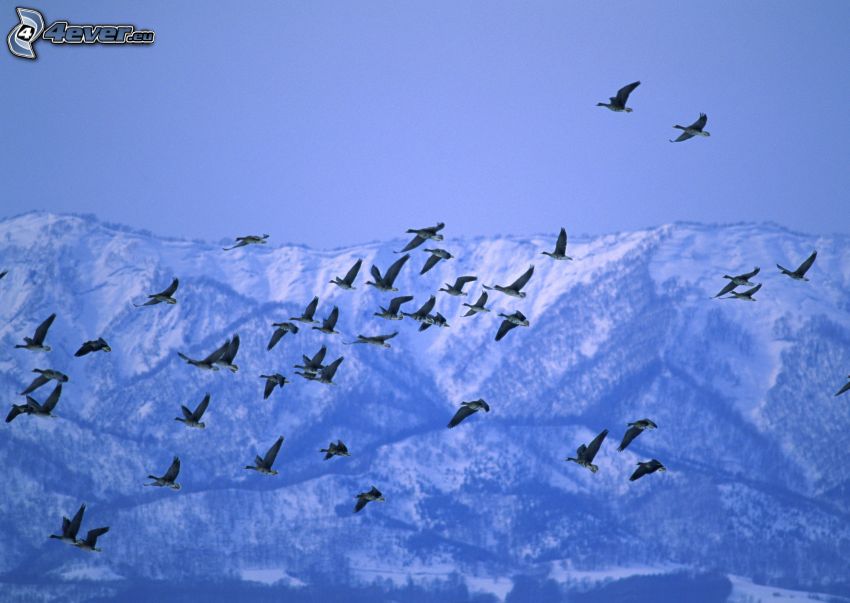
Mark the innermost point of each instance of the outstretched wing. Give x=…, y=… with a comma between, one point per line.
x=41, y=331
x=729, y=287
x=482, y=299
x=462, y=413
x=504, y=328
x=461, y=281
x=386, y=337
x=430, y=263
x=36, y=383
x=171, y=288
x=747, y=276
x=624, y=92
x=276, y=336
x=329, y=371
x=683, y=136
x=699, y=124
x=561, y=243
x=593, y=447
x=630, y=435
x=84, y=349
x=93, y=535
x=845, y=388
x=751, y=292
x=427, y=306
x=173, y=470
x=311, y=308
x=804, y=267
x=352, y=272
x=18, y=409
x=270, y=385
x=361, y=502
x=271, y=455
x=320, y=356
x=414, y=243
x=52, y=399
x=396, y=302
x=74, y=524
x=218, y=354
x=521, y=281
x=232, y=348
x=642, y=470
x=202, y=408
x=330, y=321
x=376, y=274
x=392, y=271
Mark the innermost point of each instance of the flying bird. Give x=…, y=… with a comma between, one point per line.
x=312, y=365
x=727, y=288
x=248, y=240
x=422, y=235
x=272, y=381
x=695, y=129
x=743, y=280
x=193, y=418
x=421, y=315
x=517, y=319
x=365, y=498
x=70, y=527
x=95, y=345
x=434, y=320
x=325, y=374
x=307, y=316
x=744, y=295
x=385, y=283
x=44, y=376
x=379, y=340
x=844, y=388
x=163, y=297
x=347, y=282
x=645, y=468
x=618, y=103
x=460, y=283
x=800, y=273
x=514, y=289
x=225, y=360
x=167, y=480
x=436, y=256
x=329, y=323
x=560, y=252
x=634, y=430
x=264, y=464
x=478, y=306
x=335, y=449
x=468, y=409
x=282, y=329
x=586, y=454
x=391, y=311
x=220, y=356
x=36, y=342
x=32, y=407
x=89, y=543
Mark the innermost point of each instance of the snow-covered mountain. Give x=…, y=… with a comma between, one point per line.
x=756, y=445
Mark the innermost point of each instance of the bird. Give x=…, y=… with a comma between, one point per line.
x=307, y=316
x=264, y=464
x=166, y=296
x=325, y=374
x=727, y=288
x=272, y=381
x=89, y=543
x=385, y=283
x=514, y=289
x=312, y=365
x=347, y=282
x=436, y=256
x=193, y=418
x=478, y=306
x=70, y=527
x=32, y=407
x=421, y=315
x=167, y=480
x=844, y=388
x=745, y=295
x=560, y=252
x=210, y=363
x=44, y=375
x=282, y=329
x=634, y=430
x=335, y=449
x=329, y=323
x=391, y=311
x=695, y=129
x=517, y=319
x=225, y=360
x=422, y=235
x=800, y=273
x=379, y=340
x=437, y=320
x=36, y=342
x=460, y=283
x=467, y=409
x=95, y=345
x=585, y=454
x=248, y=240
x=364, y=498
x=743, y=280
x=645, y=468
x=618, y=103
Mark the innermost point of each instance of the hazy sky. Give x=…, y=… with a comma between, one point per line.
x=331, y=123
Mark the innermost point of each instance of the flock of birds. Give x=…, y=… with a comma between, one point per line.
x=314, y=369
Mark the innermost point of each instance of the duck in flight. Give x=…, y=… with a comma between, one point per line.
x=467, y=409
x=309, y=311
x=44, y=376
x=193, y=418
x=800, y=273
x=514, y=289
x=329, y=323
x=586, y=454
x=478, y=306
x=95, y=345
x=743, y=280
x=89, y=543
x=385, y=283
x=421, y=315
x=264, y=465
x=167, y=480
x=422, y=235
x=618, y=103
x=391, y=311
x=634, y=430
x=248, y=240
x=436, y=256
x=325, y=374
x=312, y=365
x=225, y=360
x=163, y=297
x=695, y=129
x=378, y=340
x=511, y=321
x=347, y=282
x=744, y=295
x=272, y=381
x=460, y=282
x=560, y=252
x=364, y=498
x=36, y=342
x=32, y=407
x=645, y=468
x=223, y=356
x=282, y=328
x=335, y=449
x=70, y=527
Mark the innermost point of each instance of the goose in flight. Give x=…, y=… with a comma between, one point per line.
x=325, y=374
x=422, y=235
x=479, y=306
x=329, y=323
x=210, y=363
x=391, y=311
x=312, y=365
x=89, y=543
x=225, y=360
x=347, y=282
x=695, y=129
x=282, y=329
x=264, y=464
x=421, y=315
x=517, y=319
x=436, y=256
x=385, y=283
x=645, y=468
x=514, y=289
x=335, y=449
x=434, y=320
x=634, y=430
x=167, y=480
x=364, y=498
x=460, y=283
x=70, y=527
x=95, y=345
x=249, y=240
x=379, y=340
x=307, y=316
x=560, y=252
x=800, y=273
x=36, y=342
x=744, y=295
x=272, y=381
x=586, y=454
x=32, y=407
x=468, y=409
x=727, y=288
x=193, y=418
x=163, y=297
x=844, y=388
x=618, y=103
x=44, y=376
x=743, y=280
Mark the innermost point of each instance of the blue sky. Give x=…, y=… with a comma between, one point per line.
x=331, y=123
